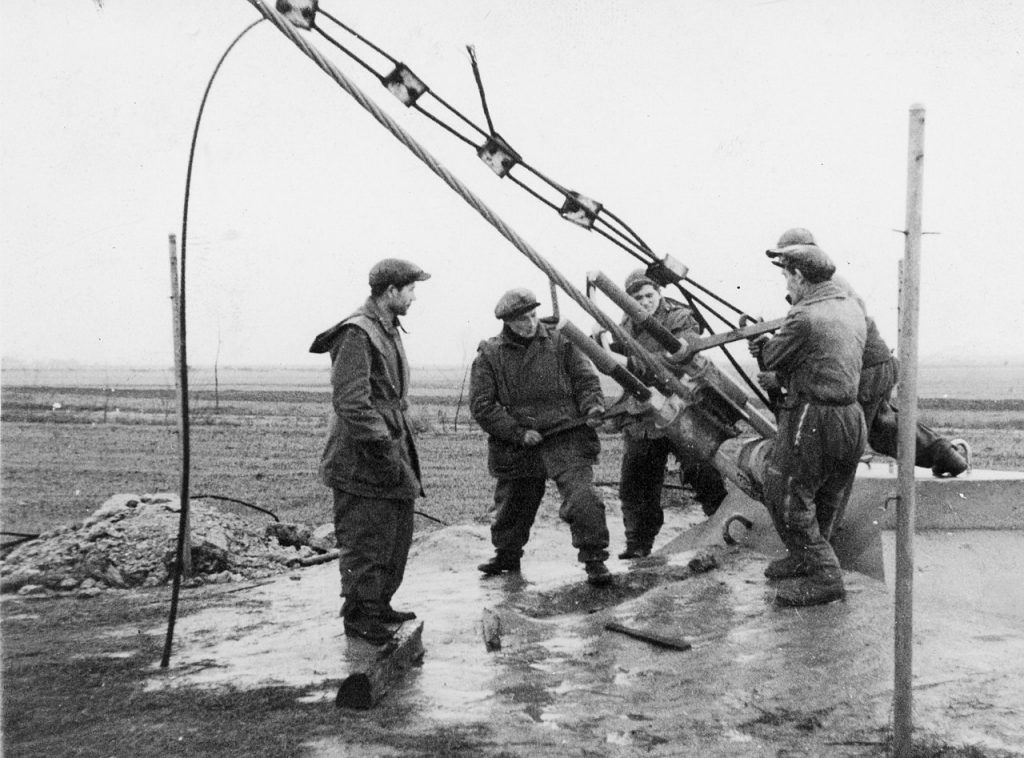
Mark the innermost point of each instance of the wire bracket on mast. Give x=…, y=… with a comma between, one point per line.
x=580, y=209
x=502, y=159
x=302, y=13
x=405, y=85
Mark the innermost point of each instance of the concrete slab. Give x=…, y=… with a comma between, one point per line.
x=979, y=499
x=968, y=634
x=758, y=680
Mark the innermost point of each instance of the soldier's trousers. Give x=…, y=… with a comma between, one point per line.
x=882, y=419
x=641, y=479
x=516, y=501
x=374, y=536
x=810, y=473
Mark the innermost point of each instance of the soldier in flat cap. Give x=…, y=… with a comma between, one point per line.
x=539, y=400
x=646, y=449
x=878, y=376
x=817, y=353
x=370, y=459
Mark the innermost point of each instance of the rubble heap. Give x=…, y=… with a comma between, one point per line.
x=130, y=541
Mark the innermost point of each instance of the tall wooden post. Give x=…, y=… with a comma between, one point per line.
x=903, y=721
x=183, y=555
x=179, y=361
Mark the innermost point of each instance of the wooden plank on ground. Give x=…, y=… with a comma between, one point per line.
x=491, y=627
x=677, y=643
x=372, y=669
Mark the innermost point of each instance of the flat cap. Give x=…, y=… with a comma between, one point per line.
x=397, y=272
x=795, y=236
x=515, y=303
x=637, y=280
x=810, y=259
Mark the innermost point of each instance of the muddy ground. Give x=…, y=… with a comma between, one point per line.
x=758, y=680
x=255, y=666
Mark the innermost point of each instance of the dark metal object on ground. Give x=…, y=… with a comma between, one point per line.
x=739, y=518
x=677, y=643
x=373, y=669
x=432, y=518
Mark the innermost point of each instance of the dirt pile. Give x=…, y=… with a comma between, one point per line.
x=130, y=541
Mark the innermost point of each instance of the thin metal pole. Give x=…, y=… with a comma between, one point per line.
x=903, y=721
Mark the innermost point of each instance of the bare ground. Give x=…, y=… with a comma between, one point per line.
x=74, y=671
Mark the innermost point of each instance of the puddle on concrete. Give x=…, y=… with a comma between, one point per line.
x=560, y=678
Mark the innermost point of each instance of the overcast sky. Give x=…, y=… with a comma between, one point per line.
x=709, y=126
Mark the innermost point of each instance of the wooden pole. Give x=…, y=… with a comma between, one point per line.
x=903, y=721
x=183, y=554
x=179, y=360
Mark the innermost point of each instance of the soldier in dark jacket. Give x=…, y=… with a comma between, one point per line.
x=370, y=458
x=818, y=353
x=646, y=448
x=539, y=400
x=879, y=373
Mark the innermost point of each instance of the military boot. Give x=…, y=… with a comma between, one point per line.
x=818, y=588
x=369, y=628
x=786, y=568
x=392, y=616
x=598, y=574
x=951, y=458
x=500, y=563
x=634, y=551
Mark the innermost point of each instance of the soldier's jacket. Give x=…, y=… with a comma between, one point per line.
x=370, y=449
x=879, y=368
x=538, y=386
x=820, y=347
x=876, y=351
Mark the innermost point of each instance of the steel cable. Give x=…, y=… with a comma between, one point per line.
x=664, y=376
x=183, y=375
x=619, y=234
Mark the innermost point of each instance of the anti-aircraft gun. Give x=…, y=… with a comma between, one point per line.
x=702, y=410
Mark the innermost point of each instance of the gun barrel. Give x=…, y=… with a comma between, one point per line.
x=696, y=366
x=605, y=363
x=635, y=311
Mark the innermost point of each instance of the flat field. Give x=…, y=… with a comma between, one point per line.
x=65, y=448
x=262, y=447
